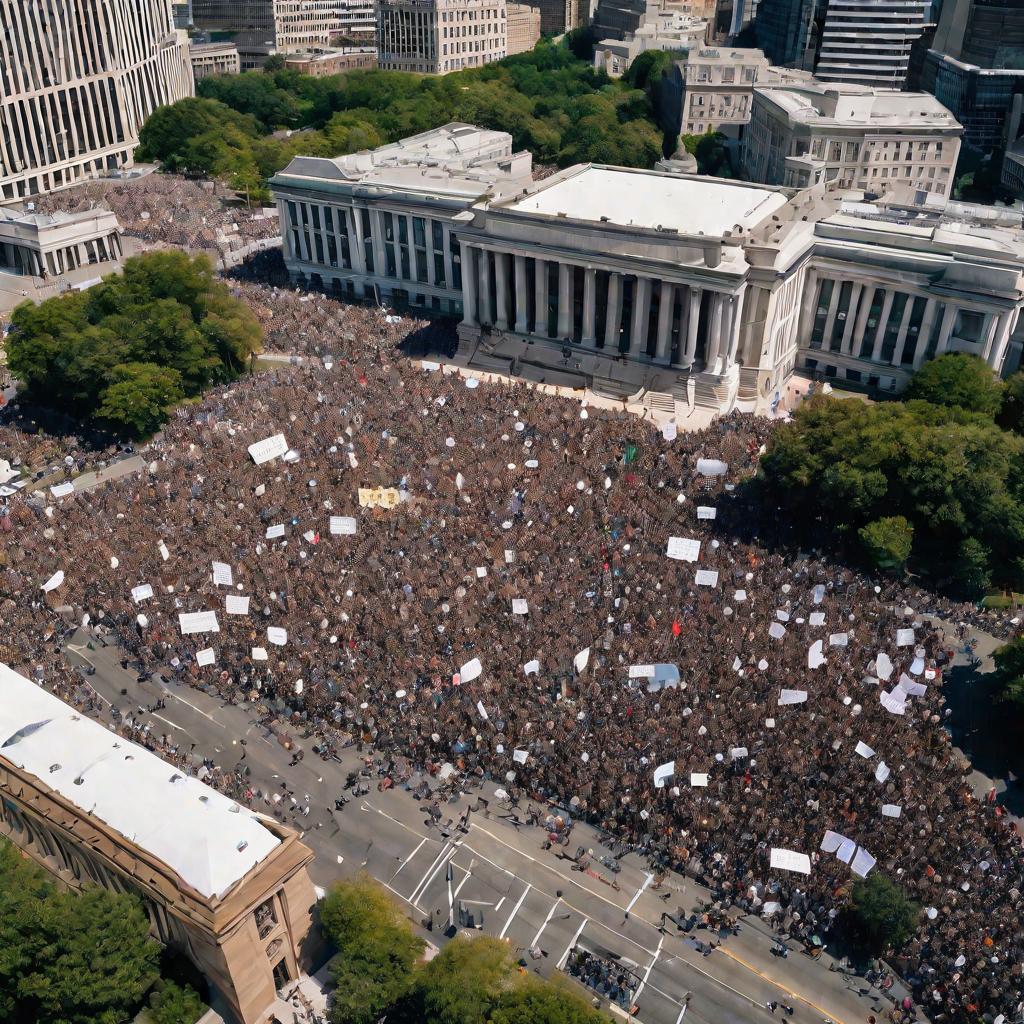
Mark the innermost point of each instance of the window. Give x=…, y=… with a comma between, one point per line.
x=266, y=918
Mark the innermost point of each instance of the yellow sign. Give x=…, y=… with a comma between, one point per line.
x=378, y=497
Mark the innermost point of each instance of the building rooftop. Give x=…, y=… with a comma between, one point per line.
x=850, y=104
x=16, y=214
x=726, y=55
x=691, y=205
x=209, y=841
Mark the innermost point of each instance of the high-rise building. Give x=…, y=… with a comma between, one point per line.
x=433, y=37
x=785, y=31
x=77, y=81
x=523, y=28
x=558, y=16
x=868, y=41
x=261, y=28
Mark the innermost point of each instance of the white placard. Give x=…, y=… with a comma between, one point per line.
x=259, y=654
x=164, y=553
x=532, y=668
x=54, y=581
x=846, y=850
x=740, y=596
x=519, y=606
x=236, y=604
x=882, y=772
x=837, y=640
x=904, y=637
x=792, y=696
x=683, y=549
x=914, y=689
x=62, y=490
x=736, y=753
x=641, y=671
x=520, y=756
x=832, y=841
x=917, y=666
x=883, y=665
x=662, y=773
x=782, y=615
x=277, y=636
x=777, y=630
x=790, y=860
x=891, y=810
x=582, y=659
x=205, y=656
x=892, y=704
x=706, y=578
x=816, y=619
x=142, y=593
x=670, y=431
x=275, y=531
x=712, y=467
x=706, y=512
x=698, y=779
x=863, y=749
x=343, y=526
x=818, y=594
x=267, y=449
x=862, y=863
x=471, y=670
x=815, y=659
x=198, y=622
x=482, y=711
x=222, y=575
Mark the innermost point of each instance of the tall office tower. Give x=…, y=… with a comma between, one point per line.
x=785, y=31
x=77, y=80
x=260, y=28
x=868, y=41
x=433, y=37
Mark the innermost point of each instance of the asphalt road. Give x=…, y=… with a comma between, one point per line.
x=497, y=871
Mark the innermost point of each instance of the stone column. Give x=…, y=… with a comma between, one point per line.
x=862, y=319
x=469, y=282
x=485, y=287
x=589, y=307
x=810, y=307
x=989, y=335
x=901, y=337
x=883, y=320
x=946, y=328
x=522, y=295
x=641, y=316
x=927, y=322
x=852, y=311
x=735, y=328
x=830, y=318
x=540, y=308
x=428, y=248
x=564, y=302
x=664, y=342
x=1007, y=321
x=611, y=328
x=380, y=267
x=410, y=245
x=501, y=290
x=714, y=340
x=692, y=324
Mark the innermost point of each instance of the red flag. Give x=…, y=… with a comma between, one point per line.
x=676, y=628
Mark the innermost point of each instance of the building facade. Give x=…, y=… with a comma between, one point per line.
x=523, y=28
x=785, y=30
x=77, y=81
x=50, y=245
x=214, y=59
x=718, y=88
x=868, y=42
x=322, y=63
x=261, y=28
x=433, y=37
x=658, y=31
x=708, y=290
x=223, y=884
x=558, y=16
x=850, y=136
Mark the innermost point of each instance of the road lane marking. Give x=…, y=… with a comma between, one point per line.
x=427, y=874
x=515, y=910
x=458, y=888
x=646, y=882
x=405, y=863
x=198, y=711
x=572, y=942
x=650, y=967
x=426, y=885
x=551, y=914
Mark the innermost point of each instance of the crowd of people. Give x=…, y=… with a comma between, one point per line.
x=479, y=575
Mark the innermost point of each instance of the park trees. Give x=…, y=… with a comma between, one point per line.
x=881, y=916
x=959, y=380
x=126, y=351
x=879, y=479
x=1009, y=673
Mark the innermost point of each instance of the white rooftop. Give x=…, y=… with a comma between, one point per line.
x=691, y=205
x=208, y=840
x=816, y=102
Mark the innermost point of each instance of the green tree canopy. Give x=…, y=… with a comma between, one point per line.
x=959, y=380
x=69, y=958
x=1009, y=673
x=176, y=1004
x=1011, y=414
x=883, y=916
x=532, y=1001
x=132, y=346
x=955, y=478
x=378, y=950
x=466, y=980
x=169, y=129
x=255, y=93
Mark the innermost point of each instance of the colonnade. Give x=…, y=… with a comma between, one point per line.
x=891, y=327
x=602, y=310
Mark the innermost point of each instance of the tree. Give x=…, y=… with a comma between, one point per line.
x=888, y=541
x=140, y=397
x=711, y=153
x=378, y=950
x=1011, y=414
x=959, y=380
x=465, y=981
x=532, y=1001
x=1009, y=672
x=883, y=917
x=168, y=129
x=176, y=1004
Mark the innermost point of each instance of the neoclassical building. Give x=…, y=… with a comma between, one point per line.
x=77, y=81
x=709, y=291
